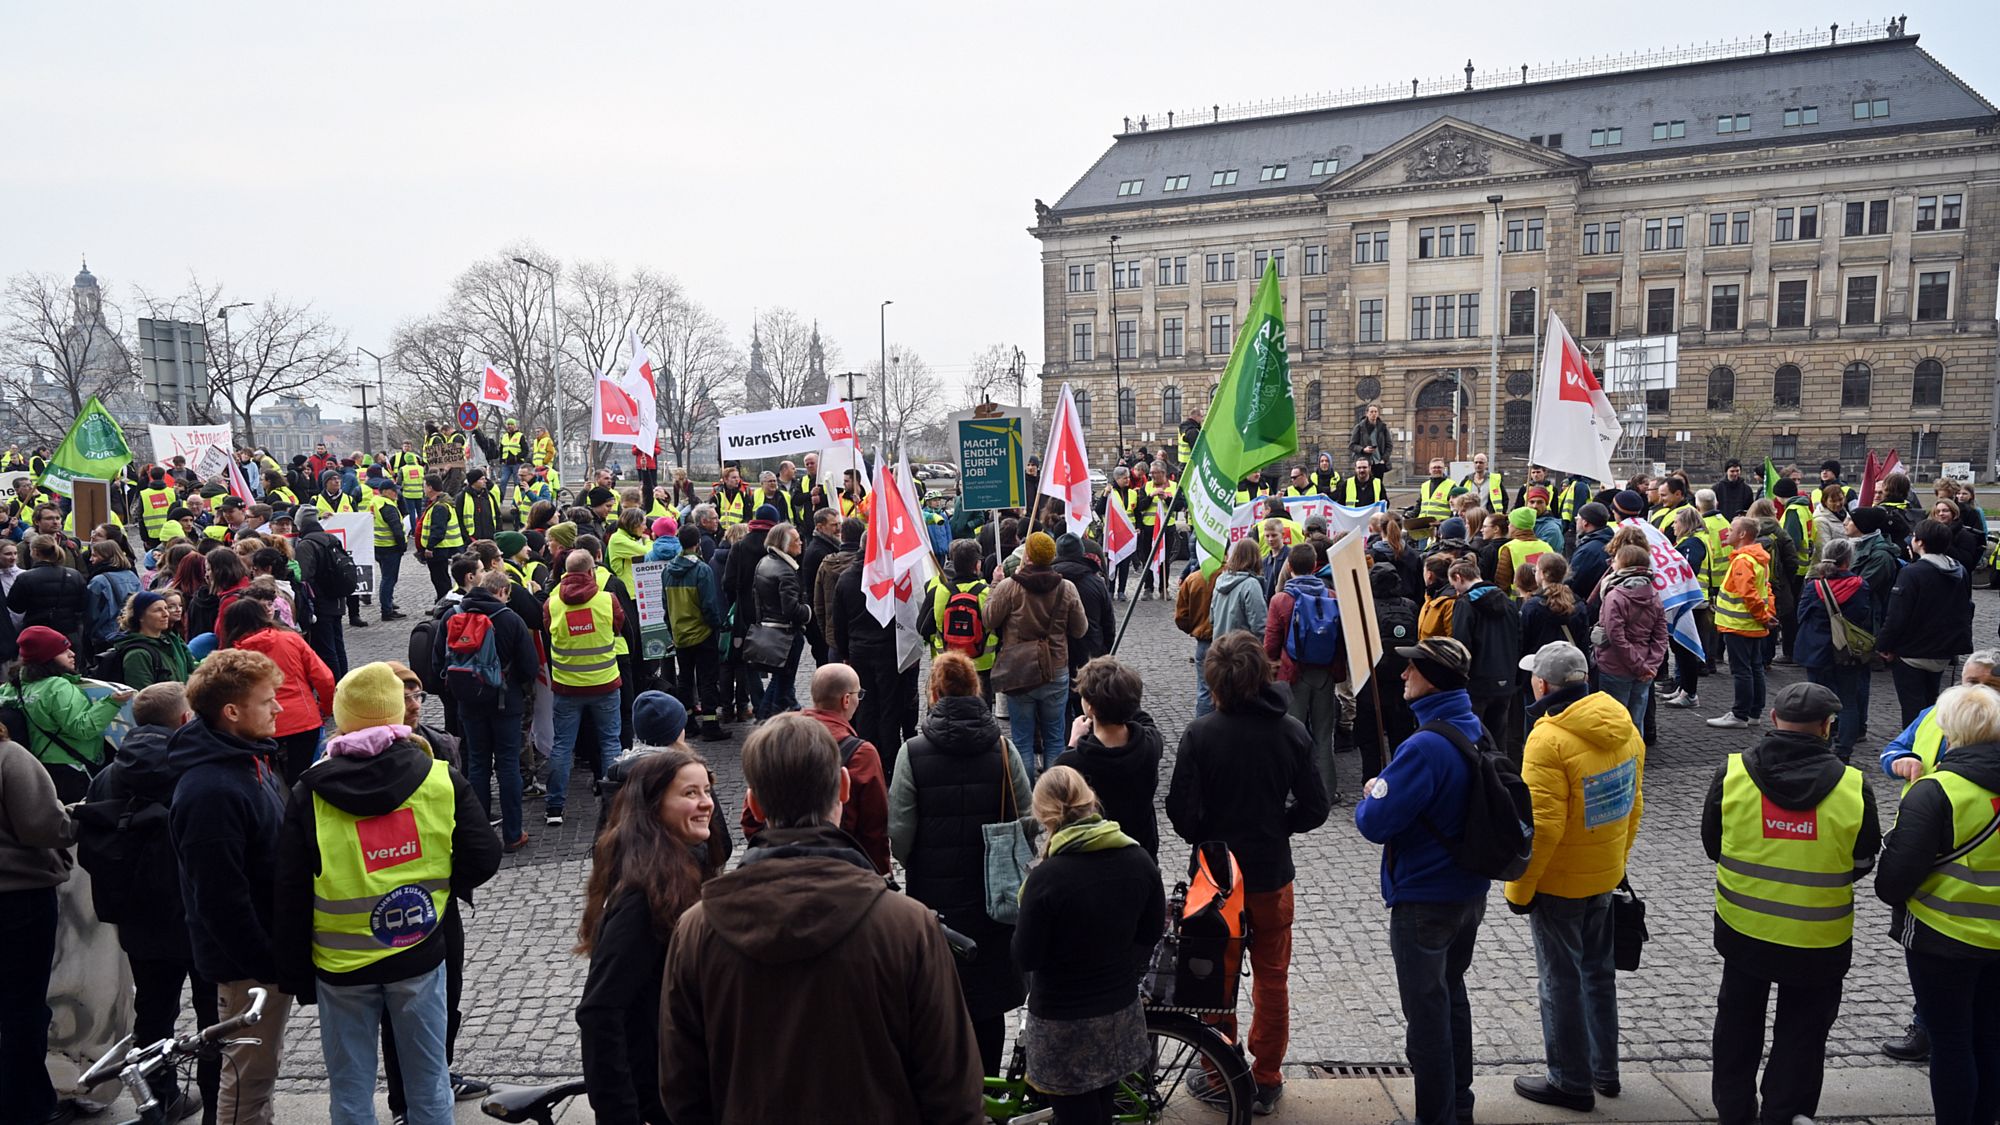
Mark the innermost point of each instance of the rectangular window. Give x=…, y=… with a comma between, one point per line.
x=1381, y=245
x=1652, y=234
x=1590, y=238
x=1211, y=266
x=1857, y=220
x=1131, y=187
x=1782, y=232
x=1603, y=138
x=1420, y=318
x=1361, y=244
x=1175, y=183
x=1954, y=213
x=1791, y=304
x=1801, y=115
x=1878, y=216
x=1173, y=341
x=1614, y=242
x=1933, y=295
x=1784, y=447
x=1723, y=305
x=1272, y=172
x=1669, y=130
x=1871, y=107
x=1860, y=301
x=1867, y=217
x=1079, y=342
x=1325, y=167
x=1927, y=212
x=1597, y=314
x=1090, y=279
x=1853, y=447
x=1220, y=338
x=1229, y=267
x=1223, y=179
x=1443, y=323
x=1516, y=230
x=1739, y=227
x=1369, y=329
x=1447, y=242
x=1076, y=279
x=1315, y=260
x=1315, y=328
x=1180, y=271
x=1555, y=140
x=1808, y=222
x=1128, y=339
x=1125, y=275
x=1534, y=234
x=1468, y=314
x=1264, y=257
x=1521, y=312
x=1426, y=242
x=1468, y=239
x=1676, y=232
x=1718, y=228
x=1659, y=312
x=1657, y=402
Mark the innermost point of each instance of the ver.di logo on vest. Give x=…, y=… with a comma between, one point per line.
x=1789, y=824
x=389, y=839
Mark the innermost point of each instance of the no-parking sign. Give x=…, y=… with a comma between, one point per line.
x=468, y=416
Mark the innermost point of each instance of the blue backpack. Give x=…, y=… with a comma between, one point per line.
x=1314, y=636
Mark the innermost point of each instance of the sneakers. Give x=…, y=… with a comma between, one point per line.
x=1266, y=1101
x=1682, y=699
x=533, y=789
x=554, y=819
x=465, y=1089
x=1728, y=720
x=1205, y=1088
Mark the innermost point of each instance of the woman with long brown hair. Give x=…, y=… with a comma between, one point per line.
x=661, y=843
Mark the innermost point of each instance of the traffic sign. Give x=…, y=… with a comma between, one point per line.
x=468, y=416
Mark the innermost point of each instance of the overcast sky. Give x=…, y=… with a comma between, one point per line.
x=818, y=156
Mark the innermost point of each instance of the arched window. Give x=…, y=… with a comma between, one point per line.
x=1315, y=401
x=1170, y=406
x=1517, y=421
x=1722, y=389
x=1927, y=385
x=1082, y=408
x=1437, y=394
x=1128, y=407
x=1855, y=381
x=1785, y=387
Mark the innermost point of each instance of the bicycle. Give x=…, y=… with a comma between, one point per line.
x=1182, y=1045
x=139, y=1068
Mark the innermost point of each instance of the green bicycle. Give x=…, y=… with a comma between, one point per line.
x=1184, y=1048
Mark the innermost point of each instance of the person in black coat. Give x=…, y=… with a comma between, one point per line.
x=492, y=727
x=955, y=777
x=1117, y=748
x=870, y=648
x=823, y=543
x=1095, y=592
x=1591, y=560
x=51, y=594
x=776, y=595
x=1929, y=619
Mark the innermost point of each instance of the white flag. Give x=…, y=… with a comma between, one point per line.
x=496, y=387
x=638, y=386
x=1121, y=538
x=1066, y=465
x=1576, y=430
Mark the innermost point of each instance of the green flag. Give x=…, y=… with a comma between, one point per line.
x=94, y=447
x=1770, y=478
x=1250, y=424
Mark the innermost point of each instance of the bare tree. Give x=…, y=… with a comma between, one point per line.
x=499, y=309
x=796, y=375
x=280, y=348
x=997, y=374
x=434, y=365
x=698, y=371
x=58, y=347
x=908, y=400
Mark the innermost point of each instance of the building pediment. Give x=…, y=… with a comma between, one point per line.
x=1449, y=151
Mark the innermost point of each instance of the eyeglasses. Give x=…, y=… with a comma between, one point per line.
x=859, y=693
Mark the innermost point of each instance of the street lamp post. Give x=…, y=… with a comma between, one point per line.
x=228, y=357
x=884, y=317
x=555, y=388
x=1493, y=373
x=1117, y=376
x=381, y=401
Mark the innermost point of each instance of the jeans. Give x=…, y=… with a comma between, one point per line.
x=350, y=1020
x=453, y=933
x=156, y=1008
x=1793, y=1077
x=781, y=693
x=1579, y=990
x=569, y=711
x=1269, y=916
x=510, y=479
x=28, y=933
x=1916, y=689
x=328, y=636
x=250, y=1069
x=1630, y=692
x=1036, y=720
x=388, y=567
x=1845, y=682
x=1314, y=704
x=1959, y=1000
x=1203, y=702
x=1431, y=944
x=1746, y=668
x=439, y=565
x=493, y=736
x=696, y=669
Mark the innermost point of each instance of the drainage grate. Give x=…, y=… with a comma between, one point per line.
x=1360, y=1070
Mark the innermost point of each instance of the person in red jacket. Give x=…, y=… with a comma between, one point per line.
x=305, y=696
x=836, y=694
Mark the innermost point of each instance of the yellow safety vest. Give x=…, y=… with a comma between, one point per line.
x=1927, y=742
x=1730, y=613
x=510, y=444
x=545, y=452
x=282, y=495
x=1434, y=498
x=583, y=645
x=469, y=503
x=731, y=508
x=1524, y=552
x=387, y=518
x=805, y=482
x=327, y=509
x=1356, y=492
x=454, y=535
x=1799, y=524
x=1960, y=898
x=604, y=584
x=939, y=592
x=1566, y=499
x=1664, y=519
x=1787, y=876
x=384, y=881
x=1245, y=495
x=657, y=510
x=154, y=504
x=1715, y=563
x=1162, y=498
x=1496, y=493
x=410, y=476
x=1292, y=490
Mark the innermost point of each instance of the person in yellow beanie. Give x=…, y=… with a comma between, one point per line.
x=1036, y=612
x=379, y=840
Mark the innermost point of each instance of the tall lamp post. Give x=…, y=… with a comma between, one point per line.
x=884, y=369
x=381, y=400
x=1117, y=377
x=555, y=389
x=1493, y=374
x=228, y=356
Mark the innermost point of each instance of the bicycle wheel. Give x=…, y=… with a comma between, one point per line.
x=1183, y=1049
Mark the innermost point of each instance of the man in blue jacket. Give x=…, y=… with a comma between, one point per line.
x=1413, y=807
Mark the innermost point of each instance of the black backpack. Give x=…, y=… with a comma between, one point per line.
x=1499, y=814
x=419, y=655
x=335, y=576
x=125, y=845
x=110, y=664
x=1396, y=619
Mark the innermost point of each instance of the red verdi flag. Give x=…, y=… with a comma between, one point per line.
x=497, y=388
x=1066, y=467
x=1120, y=537
x=1576, y=429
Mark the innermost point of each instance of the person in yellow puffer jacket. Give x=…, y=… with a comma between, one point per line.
x=1584, y=765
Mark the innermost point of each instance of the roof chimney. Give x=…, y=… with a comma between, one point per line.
x=1836, y=34
x=1170, y=119
x=1218, y=111
x=1413, y=87
x=1468, y=74
x=1767, y=42
x=1128, y=124
x=1524, y=74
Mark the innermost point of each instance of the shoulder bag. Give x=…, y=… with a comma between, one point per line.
x=1009, y=851
x=1853, y=646
x=1628, y=926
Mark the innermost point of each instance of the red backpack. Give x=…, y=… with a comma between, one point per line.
x=964, y=628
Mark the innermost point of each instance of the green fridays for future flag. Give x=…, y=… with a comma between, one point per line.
x=1250, y=424
x=94, y=447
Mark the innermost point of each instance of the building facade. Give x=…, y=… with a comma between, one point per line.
x=1815, y=227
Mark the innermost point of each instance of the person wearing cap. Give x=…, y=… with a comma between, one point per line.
x=479, y=506
x=65, y=727
x=1829, y=474
x=380, y=838
x=1744, y=613
x=1791, y=830
x=1584, y=765
x=1414, y=807
x=1036, y=612
x=392, y=540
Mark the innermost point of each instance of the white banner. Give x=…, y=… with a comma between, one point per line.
x=170, y=442
x=1339, y=517
x=1675, y=583
x=356, y=532
x=771, y=432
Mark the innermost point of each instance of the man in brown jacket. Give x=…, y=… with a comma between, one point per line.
x=1035, y=611
x=1191, y=604
x=799, y=985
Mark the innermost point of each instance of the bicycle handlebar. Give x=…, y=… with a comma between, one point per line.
x=245, y=1018
x=103, y=1069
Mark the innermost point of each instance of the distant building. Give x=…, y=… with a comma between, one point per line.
x=1816, y=224
x=292, y=425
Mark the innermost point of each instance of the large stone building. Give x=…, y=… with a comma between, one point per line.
x=1815, y=224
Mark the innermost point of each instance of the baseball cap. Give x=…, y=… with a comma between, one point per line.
x=1559, y=662
x=1805, y=703
x=1444, y=662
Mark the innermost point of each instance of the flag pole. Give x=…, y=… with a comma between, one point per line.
x=1133, y=605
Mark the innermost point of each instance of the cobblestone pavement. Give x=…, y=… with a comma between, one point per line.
x=522, y=982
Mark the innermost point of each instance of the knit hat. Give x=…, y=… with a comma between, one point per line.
x=563, y=535
x=1445, y=662
x=1869, y=519
x=768, y=513
x=1786, y=488
x=1522, y=519
x=658, y=718
x=1041, y=549
x=664, y=526
x=143, y=601
x=1069, y=546
x=369, y=696
x=511, y=543
x=1629, y=503
x=1594, y=514
x=1538, y=493
x=40, y=644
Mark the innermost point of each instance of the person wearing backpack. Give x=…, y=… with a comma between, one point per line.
x=306, y=693
x=955, y=612
x=485, y=655
x=1381, y=718
x=123, y=840
x=63, y=727
x=1585, y=767
x=1302, y=635
x=1418, y=808
x=328, y=570
x=1244, y=776
x=1487, y=623
x=1831, y=589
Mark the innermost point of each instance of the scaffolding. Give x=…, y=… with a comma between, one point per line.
x=1629, y=369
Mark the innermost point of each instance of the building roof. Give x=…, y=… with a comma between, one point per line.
x=1920, y=91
